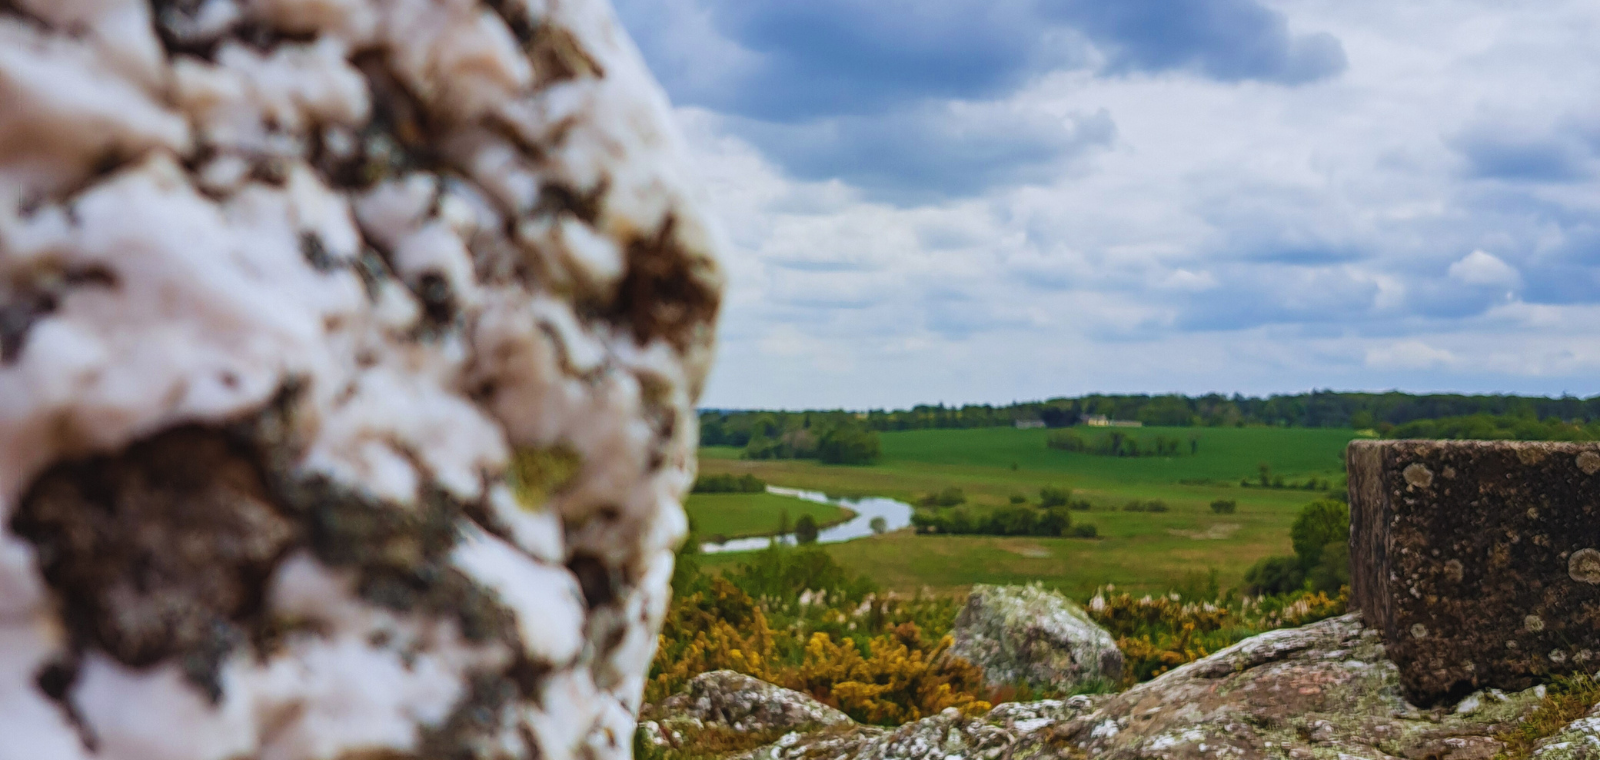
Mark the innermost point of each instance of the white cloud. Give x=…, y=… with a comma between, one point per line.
x=1235, y=237
x=1409, y=354
x=1483, y=268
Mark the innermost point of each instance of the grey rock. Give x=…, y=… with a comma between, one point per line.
x=1027, y=635
x=723, y=698
x=1017, y=730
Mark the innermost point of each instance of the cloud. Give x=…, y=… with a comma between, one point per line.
x=1482, y=268
x=913, y=100
x=1499, y=152
x=1227, y=40
x=932, y=152
x=1139, y=215
x=794, y=61
x=1409, y=354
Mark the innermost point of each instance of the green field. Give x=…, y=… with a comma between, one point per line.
x=719, y=516
x=1137, y=550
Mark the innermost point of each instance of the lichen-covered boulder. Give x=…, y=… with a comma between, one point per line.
x=743, y=703
x=723, y=699
x=1026, y=635
x=348, y=357
x=1014, y=730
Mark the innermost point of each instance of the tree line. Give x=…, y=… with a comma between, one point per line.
x=1383, y=412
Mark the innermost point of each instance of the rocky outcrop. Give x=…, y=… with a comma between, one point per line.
x=1325, y=690
x=725, y=699
x=348, y=359
x=1027, y=635
x=1478, y=561
x=1015, y=730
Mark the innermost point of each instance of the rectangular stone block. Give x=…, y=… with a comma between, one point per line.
x=1479, y=561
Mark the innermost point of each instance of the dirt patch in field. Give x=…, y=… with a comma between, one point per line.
x=1214, y=533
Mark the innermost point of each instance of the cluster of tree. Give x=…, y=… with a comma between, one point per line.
x=1321, y=560
x=1382, y=412
x=806, y=530
x=1013, y=520
x=1224, y=506
x=1265, y=479
x=838, y=441
x=728, y=483
x=1487, y=427
x=1151, y=505
x=1116, y=443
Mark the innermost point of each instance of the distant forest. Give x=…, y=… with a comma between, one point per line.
x=1390, y=414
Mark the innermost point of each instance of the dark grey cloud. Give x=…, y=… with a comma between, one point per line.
x=860, y=89
x=823, y=58
x=1563, y=151
x=1493, y=154
x=1227, y=40
x=930, y=153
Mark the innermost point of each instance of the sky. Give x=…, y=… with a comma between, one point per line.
x=981, y=201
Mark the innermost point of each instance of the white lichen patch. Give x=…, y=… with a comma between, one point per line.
x=358, y=253
x=1584, y=566
x=1418, y=475
x=1589, y=462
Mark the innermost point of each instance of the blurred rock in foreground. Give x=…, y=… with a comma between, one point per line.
x=348, y=359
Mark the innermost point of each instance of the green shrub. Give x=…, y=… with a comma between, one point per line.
x=949, y=497
x=1274, y=575
x=1018, y=498
x=1321, y=562
x=1153, y=505
x=1224, y=506
x=805, y=530
x=1319, y=524
x=1051, y=496
x=1085, y=530
x=1011, y=520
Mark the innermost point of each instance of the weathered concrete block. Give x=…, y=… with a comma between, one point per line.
x=1478, y=561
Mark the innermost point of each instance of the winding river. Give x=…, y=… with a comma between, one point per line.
x=897, y=515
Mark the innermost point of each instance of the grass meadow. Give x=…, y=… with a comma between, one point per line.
x=1137, y=551
x=739, y=515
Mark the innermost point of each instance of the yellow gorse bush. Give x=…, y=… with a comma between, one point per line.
x=1158, y=633
x=901, y=677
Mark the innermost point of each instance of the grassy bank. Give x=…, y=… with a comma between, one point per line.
x=743, y=515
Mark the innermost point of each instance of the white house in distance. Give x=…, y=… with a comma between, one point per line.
x=1100, y=420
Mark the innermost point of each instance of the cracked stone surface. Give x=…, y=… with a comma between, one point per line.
x=1479, y=561
x=348, y=358
x=1322, y=691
